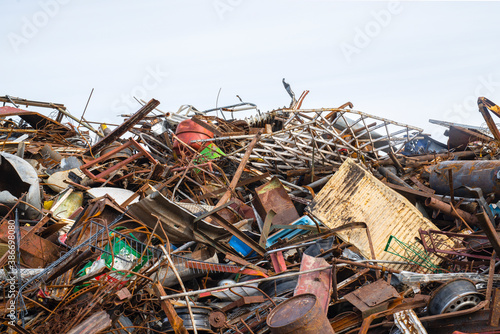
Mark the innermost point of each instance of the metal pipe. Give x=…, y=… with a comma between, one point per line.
x=392, y=178
x=448, y=210
x=314, y=184
x=183, y=247
x=427, y=157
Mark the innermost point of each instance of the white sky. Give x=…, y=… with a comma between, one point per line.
x=422, y=60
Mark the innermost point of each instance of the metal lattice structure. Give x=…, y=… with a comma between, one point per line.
x=326, y=137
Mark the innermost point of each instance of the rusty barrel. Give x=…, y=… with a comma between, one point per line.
x=301, y=314
x=484, y=174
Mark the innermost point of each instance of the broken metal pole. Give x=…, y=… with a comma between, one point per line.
x=124, y=127
x=239, y=171
x=80, y=121
x=24, y=102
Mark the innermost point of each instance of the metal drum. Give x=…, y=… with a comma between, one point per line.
x=299, y=315
x=456, y=295
x=484, y=174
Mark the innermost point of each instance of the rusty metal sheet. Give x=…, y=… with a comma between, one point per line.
x=272, y=196
x=376, y=293
x=372, y=298
x=37, y=120
x=35, y=251
x=318, y=283
x=459, y=137
x=354, y=195
x=177, y=222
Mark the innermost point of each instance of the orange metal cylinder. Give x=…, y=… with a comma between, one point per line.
x=187, y=131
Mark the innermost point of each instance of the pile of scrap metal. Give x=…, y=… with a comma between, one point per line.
x=291, y=221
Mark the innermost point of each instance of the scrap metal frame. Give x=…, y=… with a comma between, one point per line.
x=326, y=137
x=432, y=244
x=100, y=176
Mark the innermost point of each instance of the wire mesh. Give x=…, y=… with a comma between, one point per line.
x=412, y=253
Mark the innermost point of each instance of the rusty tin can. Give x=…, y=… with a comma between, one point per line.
x=301, y=314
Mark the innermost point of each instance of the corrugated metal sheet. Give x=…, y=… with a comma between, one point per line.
x=354, y=195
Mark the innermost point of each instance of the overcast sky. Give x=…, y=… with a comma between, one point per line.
x=406, y=61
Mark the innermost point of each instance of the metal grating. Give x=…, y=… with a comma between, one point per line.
x=327, y=137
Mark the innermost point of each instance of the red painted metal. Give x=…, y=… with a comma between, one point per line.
x=187, y=131
x=37, y=120
x=278, y=262
x=317, y=283
x=273, y=196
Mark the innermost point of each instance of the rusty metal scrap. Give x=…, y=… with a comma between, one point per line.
x=117, y=132
x=326, y=137
x=353, y=194
x=293, y=220
x=408, y=322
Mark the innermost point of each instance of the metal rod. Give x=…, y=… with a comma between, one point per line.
x=84, y=110
x=176, y=273
x=453, y=212
x=194, y=293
